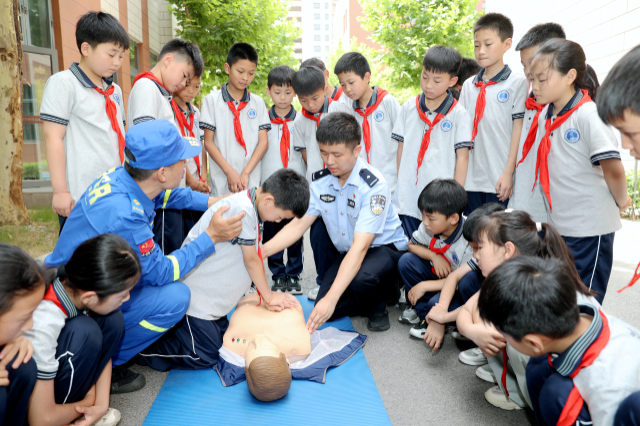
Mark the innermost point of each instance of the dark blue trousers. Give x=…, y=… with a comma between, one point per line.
x=14, y=399
x=628, y=413
x=85, y=346
x=191, y=344
x=189, y=219
x=61, y=222
x=477, y=199
x=594, y=259
x=173, y=229
x=467, y=287
x=324, y=252
x=409, y=224
x=295, y=257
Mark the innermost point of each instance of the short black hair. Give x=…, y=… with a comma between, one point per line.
x=97, y=28
x=313, y=62
x=138, y=175
x=280, y=76
x=496, y=22
x=468, y=229
x=184, y=52
x=240, y=51
x=308, y=81
x=442, y=59
x=526, y=295
x=620, y=91
x=339, y=127
x=354, y=62
x=290, y=191
x=445, y=196
x=469, y=67
x=540, y=33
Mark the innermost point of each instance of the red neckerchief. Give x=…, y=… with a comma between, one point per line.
x=366, y=130
x=440, y=251
x=112, y=113
x=285, y=141
x=188, y=125
x=259, y=250
x=542, y=162
x=531, y=104
x=237, y=128
x=312, y=116
x=52, y=296
x=505, y=365
x=336, y=94
x=634, y=279
x=426, y=138
x=481, y=102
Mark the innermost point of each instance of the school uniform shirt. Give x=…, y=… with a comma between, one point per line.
x=272, y=160
x=451, y=133
x=459, y=251
x=383, y=153
x=490, y=149
x=304, y=135
x=363, y=204
x=197, y=133
x=149, y=101
x=582, y=202
x=217, y=117
x=525, y=196
x=90, y=143
x=343, y=98
x=219, y=282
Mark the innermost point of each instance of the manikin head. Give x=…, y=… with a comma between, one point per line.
x=267, y=369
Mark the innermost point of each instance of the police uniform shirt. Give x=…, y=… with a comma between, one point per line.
x=222, y=279
x=525, y=196
x=582, y=202
x=217, y=117
x=450, y=134
x=197, y=133
x=90, y=143
x=384, y=150
x=304, y=135
x=459, y=251
x=362, y=205
x=490, y=149
x=149, y=101
x=272, y=160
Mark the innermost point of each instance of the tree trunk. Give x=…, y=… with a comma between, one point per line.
x=12, y=208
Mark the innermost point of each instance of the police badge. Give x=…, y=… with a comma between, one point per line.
x=377, y=203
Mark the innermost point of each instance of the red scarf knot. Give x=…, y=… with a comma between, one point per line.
x=366, y=130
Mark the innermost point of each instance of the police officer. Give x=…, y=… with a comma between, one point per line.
x=355, y=204
x=123, y=201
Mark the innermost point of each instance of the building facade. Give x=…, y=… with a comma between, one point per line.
x=346, y=26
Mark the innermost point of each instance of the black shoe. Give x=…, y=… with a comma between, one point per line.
x=379, y=322
x=279, y=284
x=124, y=380
x=293, y=285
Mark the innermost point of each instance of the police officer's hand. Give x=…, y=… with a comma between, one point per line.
x=62, y=203
x=441, y=266
x=321, y=313
x=221, y=229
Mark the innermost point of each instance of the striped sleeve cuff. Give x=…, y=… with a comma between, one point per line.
x=609, y=155
x=397, y=137
x=473, y=265
x=243, y=242
x=142, y=119
x=462, y=145
x=47, y=375
x=54, y=119
x=265, y=126
x=518, y=115
x=299, y=148
x=207, y=126
x=416, y=242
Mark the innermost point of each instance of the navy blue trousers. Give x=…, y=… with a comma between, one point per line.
x=295, y=257
x=85, y=346
x=189, y=219
x=467, y=287
x=477, y=199
x=173, y=229
x=61, y=222
x=628, y=413
x=409, y=224
x=594, y=259
x=14, y=399
x=191, y=345
x=324, y=252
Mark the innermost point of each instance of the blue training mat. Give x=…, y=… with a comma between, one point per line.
x=349, y=397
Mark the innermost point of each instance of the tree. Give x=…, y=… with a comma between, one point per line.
x=407, y=28
x=12, y=209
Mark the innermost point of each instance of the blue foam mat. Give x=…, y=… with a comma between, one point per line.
x=349, y=397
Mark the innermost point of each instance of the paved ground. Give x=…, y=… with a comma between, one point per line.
x=418, y=387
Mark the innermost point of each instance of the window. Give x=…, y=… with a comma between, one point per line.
x=134, y=60
x=316, y=48
x=316, y=16
x=326, y=5
x=316, y=5
x=326, y=27
x=153, y=59
x=326, y=38
x=299, y=51
x=326, y=16
x=326, y=48
x=316, y=38
x=316, y=27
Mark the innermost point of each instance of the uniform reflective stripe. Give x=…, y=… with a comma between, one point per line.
x=166, y=198
x=146, y=324
x=176, y=267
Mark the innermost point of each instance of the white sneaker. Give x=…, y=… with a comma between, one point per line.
x=486, y=373
x=498, y=399
x=409, y=316
x=110, y=418
x=458, y=336
x=313, y=294
x=473, y=357
x=403, y=297
x=418, y=330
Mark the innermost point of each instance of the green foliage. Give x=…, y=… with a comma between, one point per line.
x=31, y=171
x=216, y=24
x=630, y=189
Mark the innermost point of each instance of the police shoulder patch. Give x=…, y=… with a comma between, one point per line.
x=368, y=177
x=136, y=207
x=320, y=174
x=377, y=204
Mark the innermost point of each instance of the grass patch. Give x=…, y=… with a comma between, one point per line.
x=38, y=237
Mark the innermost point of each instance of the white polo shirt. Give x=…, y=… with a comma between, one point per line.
x=459, y=251
x=343, y=99
x=197, y=133
x=90, y=143
x=217, y=117
x=149, y=101
x=490, y=149
x=272, y=160
x=453, y=132
x=304, y=135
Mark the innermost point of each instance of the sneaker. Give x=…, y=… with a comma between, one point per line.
x=110, y=418
x=313, y=294
x=409, y=316
x=379, y=322
x=124, y=380
x=473, y=356
x=486, y=373
x=458, y=336
x=497, y=398
x=293, y=285
x=418, y=330
x=402, y=302
x=279, y=284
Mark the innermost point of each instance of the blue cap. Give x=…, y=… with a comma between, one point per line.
x=157, y=143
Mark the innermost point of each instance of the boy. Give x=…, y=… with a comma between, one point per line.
x=335, y=93
x=83, y=112
x=587, y=361
x=524, y=198
x=280, y=155
x=309, y=85
x=235, y=124
x=434, y=132
x=435, y=249
x=495, y=97
x=376, y=110
x=353, y=200
x=469, y=67
x=194, y=342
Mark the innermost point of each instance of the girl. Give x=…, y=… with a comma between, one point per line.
x=21, y=290
x=76, y=330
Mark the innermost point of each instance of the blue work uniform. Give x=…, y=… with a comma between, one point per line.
x=362, y=205
x=116, y=204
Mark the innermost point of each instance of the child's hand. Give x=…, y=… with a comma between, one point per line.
x=441, y=266
x=234, y=182
x=91, y=415
x=203, y=187
x=434, y=335
x=488, y=339
x=4, y=376
x=62, y=203
x=281, y=301
x=437, y=314
x=504, y=187
x=627, y=205
x=244, y=178
x=415, y=294
x=20, y=346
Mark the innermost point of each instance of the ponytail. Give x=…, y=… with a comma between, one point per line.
x=590, y=82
